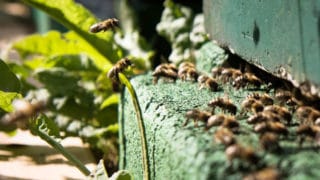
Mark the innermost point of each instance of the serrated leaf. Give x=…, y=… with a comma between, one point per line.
x=6, y=99
x=75, y=17
x=48, y=126
x=50, y=44
x=20, y=70
x=73, y=62
x=8, y=81
x=59, y=81
x=53, y=44
x=111, y=100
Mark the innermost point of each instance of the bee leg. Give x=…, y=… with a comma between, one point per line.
x=186, y=122
x=195, y=121
x=155, y=80
x=301, y=140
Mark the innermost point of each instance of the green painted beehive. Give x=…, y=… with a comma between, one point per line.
x=276, y=35
x=186, y=152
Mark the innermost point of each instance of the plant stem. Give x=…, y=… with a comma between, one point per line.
x=135, y=102
x=50, y=140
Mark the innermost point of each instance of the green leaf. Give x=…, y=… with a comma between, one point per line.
x=99, y=173
x=6, y=99
x=122, y=175
x=55, y=44
x=48, y=125
x=75, y=17
x=59, y=81
x=47, y=131
x=111, y=100
x=73, y=62
x=8, y=81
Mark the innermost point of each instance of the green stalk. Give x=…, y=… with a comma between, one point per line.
x=134, y=98
x=50, y=140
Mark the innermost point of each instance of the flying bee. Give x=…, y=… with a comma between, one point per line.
x=275, y=127
x=197, y=115
x=269, y=141
x=310, y=131
x=263, y=117
x=265, y=99
x=228, y=74
x=307, y=114
x=253, y=105
x=224, y=104
x=224, y=136
x=268, y=173
x=223, y=120
x=206, y=81
x=104, y=25
x=281, y=111
x=187, y=71
x=237, y=151
x=23, y=111
x=119, y=67
x=165, y=70
x=245, y=80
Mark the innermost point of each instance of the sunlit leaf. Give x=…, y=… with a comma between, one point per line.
x=55, y=44
x=111, y=100
x=73, y=62
x=6, y=99
x=75, y=17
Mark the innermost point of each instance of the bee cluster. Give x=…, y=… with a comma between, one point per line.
x=281, y=116
x=185, y=72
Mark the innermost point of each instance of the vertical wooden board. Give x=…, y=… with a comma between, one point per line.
x=269, y=33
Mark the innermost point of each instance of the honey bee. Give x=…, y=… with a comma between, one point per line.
x=228, y=74
x=187, y=71
x=275, y=127
x=311, y=131
x=113, y=73
x=216, y=72
x=269, y=141
x=268, y=173
x=104, y=25
x=223, y=120
x=281, y=111
x=253, y=105
x=245, y=80
x=120, y=66
x=224, y=136
x=283, y=96
x=263, y=117
x=237, y=151
x=206, y=81
x=23, y=111
x=224, y=104
x=307, y=114
x=265, y=99
x=197, y=115
x=165, y=70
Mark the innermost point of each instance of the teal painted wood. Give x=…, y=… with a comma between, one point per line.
x=270, y=33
